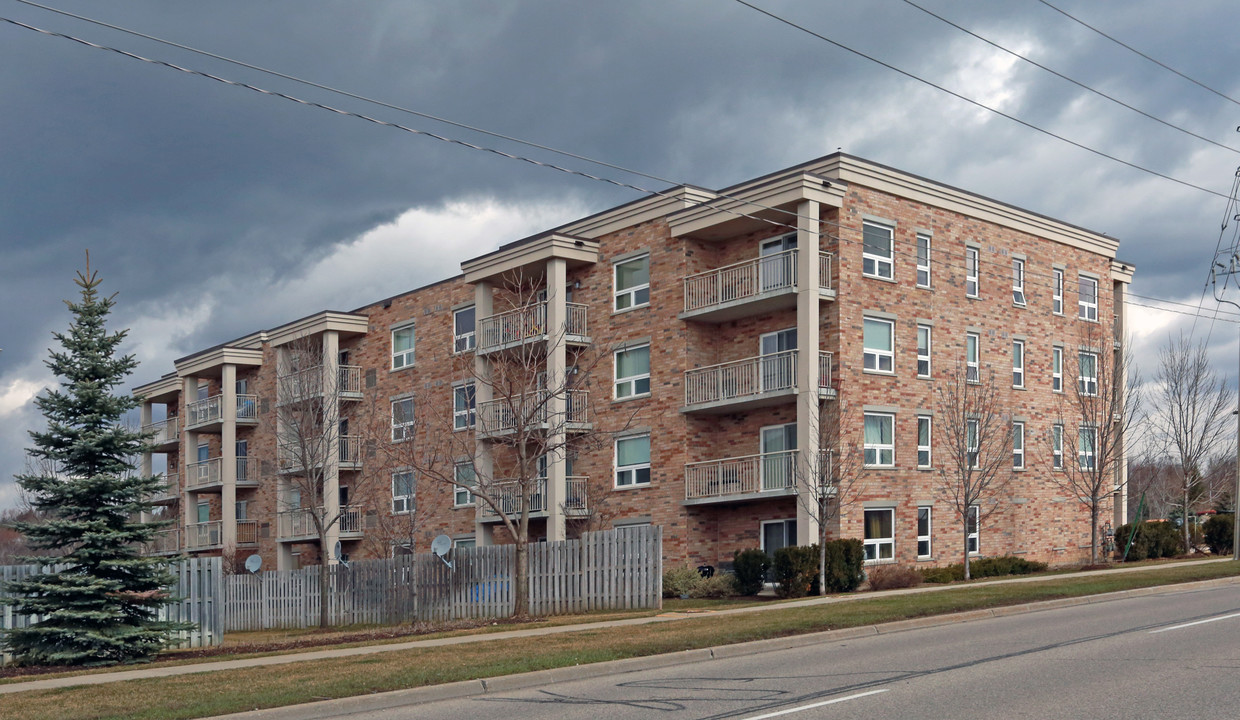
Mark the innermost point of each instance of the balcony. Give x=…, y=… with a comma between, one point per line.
x=165, y=434
x=529, y=411
x=207, y=476
x=298, y=525
x=165, y=542
x=210, y=535
x=528, y=324
x=170, y=492
x=754, y=382
x=511, y=500
x=207, y=415
x=291, y=460
x=307, y=384
x=750, y=287
x=751, y=477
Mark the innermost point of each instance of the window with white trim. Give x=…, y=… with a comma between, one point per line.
x=973, y=526
x=1057, y=293
x=1057, y=447
x=632, y=282
x=1018, y=282
x=1087, y=299
x=970, y=443
x=880, y=536
x=879, y=440
x=972, y=357
x=879, y=354
x=402, y=347
x=464, y=406
x=1018, y=446
x=972, y=260
x=632, y=367
x=402, y=419
x=402, y=492
x=1057, y=369
x=924, y=531
x=923, y=260
x=464, y=473
x=1018, y=363
x=777, y=534
x=464, y=325
x=1087, y=373
x=633, y=461
x=923, y=351
x=876, y=250
x=924, y=458
x=1087, y=444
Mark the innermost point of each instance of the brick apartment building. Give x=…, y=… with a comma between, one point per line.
x=717, y=329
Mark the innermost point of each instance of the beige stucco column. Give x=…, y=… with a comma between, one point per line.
x=189, y=454
x=1121, y=371
x=557, y=389
x=147, y=467
x=228, y=457
x=331, y=425
x=809, y=428
x=483, y=464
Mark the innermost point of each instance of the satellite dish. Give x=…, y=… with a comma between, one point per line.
x=440, y=546
x=253, y=564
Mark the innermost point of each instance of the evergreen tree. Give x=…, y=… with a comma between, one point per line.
x=100, y=607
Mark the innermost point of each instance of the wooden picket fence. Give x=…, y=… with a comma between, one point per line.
x=199, y=588
x=614, y=569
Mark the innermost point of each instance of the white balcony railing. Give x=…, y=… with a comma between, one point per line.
x=349, y=382
x=204, y=535
x=741, y=379
x=210, y=410
x=747, y=475
x=525, y=324
x=300, y=523
x=204, y=474
x=165, y=542
x=248, y=470
x=163, y=432
x=824, y=270
x=170, y=490
x=749, y=279
x=529, y=411
x=351, y=451
x=824, y=369
x=290, y=454
x=247, y=532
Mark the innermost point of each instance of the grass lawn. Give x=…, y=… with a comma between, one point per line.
x=213, y=693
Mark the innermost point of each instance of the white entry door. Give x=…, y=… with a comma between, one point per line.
x=776, y=267
x=778, y=366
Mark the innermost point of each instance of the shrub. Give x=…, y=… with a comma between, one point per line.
x=751, y=567
x=1152, y=540
x=951, y=573
x=891, y=577
x=795, y=568
x=681, y=581
x=719, y=585
x=845, y=564
x=984, y=567
x=1218, y=534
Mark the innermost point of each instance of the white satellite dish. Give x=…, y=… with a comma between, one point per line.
x=440, y=546
x=254, y=563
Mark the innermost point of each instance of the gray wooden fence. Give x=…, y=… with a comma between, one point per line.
x=615, y=569
x=199, y=587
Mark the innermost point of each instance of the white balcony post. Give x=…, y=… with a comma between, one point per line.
x=228, y=455
x=557, y=386
x=189, y=453
x=808, y=413
x=146, y=467
x=331, y=424
x=483, y=463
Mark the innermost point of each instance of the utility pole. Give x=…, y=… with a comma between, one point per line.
x=1230, y=270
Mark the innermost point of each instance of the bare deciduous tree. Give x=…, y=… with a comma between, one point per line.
x=976, y=437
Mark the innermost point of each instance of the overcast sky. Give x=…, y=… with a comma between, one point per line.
x=214, y=211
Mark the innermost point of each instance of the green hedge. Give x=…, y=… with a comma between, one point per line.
x=750, y=567
x=984, y=567
x=796, y=568
x=1218, y=533
x=1152, y=540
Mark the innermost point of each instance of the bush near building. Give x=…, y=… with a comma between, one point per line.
x=985, y=567
x=1218, y=533
x=1152, y=540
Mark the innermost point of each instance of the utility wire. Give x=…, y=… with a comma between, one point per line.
x=1138, y=52
x=1060, y=75
x=977, y=103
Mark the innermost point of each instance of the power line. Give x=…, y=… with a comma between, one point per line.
x=979, y=104
x=1060, y=75
x=1138, y=52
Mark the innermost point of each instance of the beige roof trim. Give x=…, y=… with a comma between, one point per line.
x=759, y=200
x=344, y=323
x=651, y=208
x=165, y=389
x=528, y=256
x=206, y=362
x=1121, y=271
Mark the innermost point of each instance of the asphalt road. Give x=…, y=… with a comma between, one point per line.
x=1174, y=654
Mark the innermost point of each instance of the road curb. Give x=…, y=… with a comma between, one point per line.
x=522, y=681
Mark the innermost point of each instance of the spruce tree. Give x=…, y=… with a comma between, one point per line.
x=100, y=606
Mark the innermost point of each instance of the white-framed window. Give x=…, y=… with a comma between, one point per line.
x=465, y=543
x=204, y=512
x=923, y=260
x=879, y=443
x=464, y=406
x=778, y=534
x=972, y=261
x=402, y=347
x=924, y=458
x=632, y=282
x=632, y=366
x=1057, y=447
x=923, y=351
x=464, y=325
x=972, y=357
x=1018, y=446
x=402, y=492
x=1057, y=293
x=876, y=250
x=924, y=532
x=1057, y=369
x=879, y=354
x=633, y=461
x=1087, y=299
x=402, y=419
x=973, y=527
x=465, y=474
x=970, y=443
x=1018, y=282
x=1018, y=363
x=1087, y=443
x=880, y=534
x=1087, y=375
